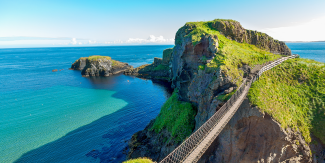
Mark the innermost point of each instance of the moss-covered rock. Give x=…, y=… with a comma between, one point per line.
x=159, y=69
x=99, y=66
x=173, y=125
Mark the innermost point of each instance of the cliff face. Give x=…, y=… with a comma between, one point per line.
x=99, y=66
x=159, y=69
x=253, y=136
x=207, y=64
x=233, y=30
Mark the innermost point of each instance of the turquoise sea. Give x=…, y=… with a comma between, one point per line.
x=60, y=116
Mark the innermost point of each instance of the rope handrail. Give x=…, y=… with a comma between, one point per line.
x=187, y=147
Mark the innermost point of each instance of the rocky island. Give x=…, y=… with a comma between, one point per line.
x=99, y=66
x=281, y=120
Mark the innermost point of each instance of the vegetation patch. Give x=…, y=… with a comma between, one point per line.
x=139, y=160
x=294, y=94
x=177, y=117
x=96, y=57
x=161, y=67
x=231, y=55
x=226, y=97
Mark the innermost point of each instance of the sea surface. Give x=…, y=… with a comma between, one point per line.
x=311, y=50
x=60, y=116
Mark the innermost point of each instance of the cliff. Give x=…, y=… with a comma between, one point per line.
x=159, y=69
x=208, y=63
x=99, y=66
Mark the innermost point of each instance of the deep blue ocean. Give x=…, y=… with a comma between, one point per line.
x=60, y=116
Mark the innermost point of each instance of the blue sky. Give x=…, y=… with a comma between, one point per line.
x=33, y=23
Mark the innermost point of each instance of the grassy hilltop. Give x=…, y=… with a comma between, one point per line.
x=294, y=94
x=231, y=54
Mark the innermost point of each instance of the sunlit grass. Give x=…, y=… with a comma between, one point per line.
x=231, y=55
x=294, y=94
x=139, y=160
x=177, y=116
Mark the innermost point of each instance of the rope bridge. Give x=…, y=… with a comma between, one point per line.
x=194, y=147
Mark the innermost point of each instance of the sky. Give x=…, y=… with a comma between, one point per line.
x=47, y=23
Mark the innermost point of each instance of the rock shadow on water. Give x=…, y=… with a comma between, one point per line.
x=105, y=139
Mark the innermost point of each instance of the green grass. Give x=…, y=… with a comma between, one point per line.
x=177, y=117
x=96, y=57
x=139, y=160
x=161, y=67
x=294, y=94
x=226, y=97
x=231, y=55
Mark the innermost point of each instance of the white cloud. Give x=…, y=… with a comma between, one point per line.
x=92, y=42
x=73, y=41
x=131, y=41
x=151, y=39
x=310, y=31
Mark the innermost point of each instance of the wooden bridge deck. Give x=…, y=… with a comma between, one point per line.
x=193, y=157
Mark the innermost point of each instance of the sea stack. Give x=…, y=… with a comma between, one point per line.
x=99, y=66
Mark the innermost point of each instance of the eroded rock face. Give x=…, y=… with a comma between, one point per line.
x=187, y=58
x=99, y=67
x=252, y=136
x=233, y=30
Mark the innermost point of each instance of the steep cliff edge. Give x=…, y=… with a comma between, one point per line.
x=208, y=62
x=99, y=66
x=254, y=136
x=282, y=119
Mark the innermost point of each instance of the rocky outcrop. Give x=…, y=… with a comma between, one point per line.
x=159, y=69
x=233, y=30
x=253, y=136
x=99, y=66
x=150, y=144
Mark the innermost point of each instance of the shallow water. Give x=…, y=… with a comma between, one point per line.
x=60, y=116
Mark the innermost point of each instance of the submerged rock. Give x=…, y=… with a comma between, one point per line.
x=99, y=66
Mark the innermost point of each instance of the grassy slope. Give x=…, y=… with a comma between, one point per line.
x=231, y=54
x=177, y=117
x=294, y=94
x=139, y=160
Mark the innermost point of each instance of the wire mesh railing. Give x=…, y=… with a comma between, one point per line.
x=188, y=146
